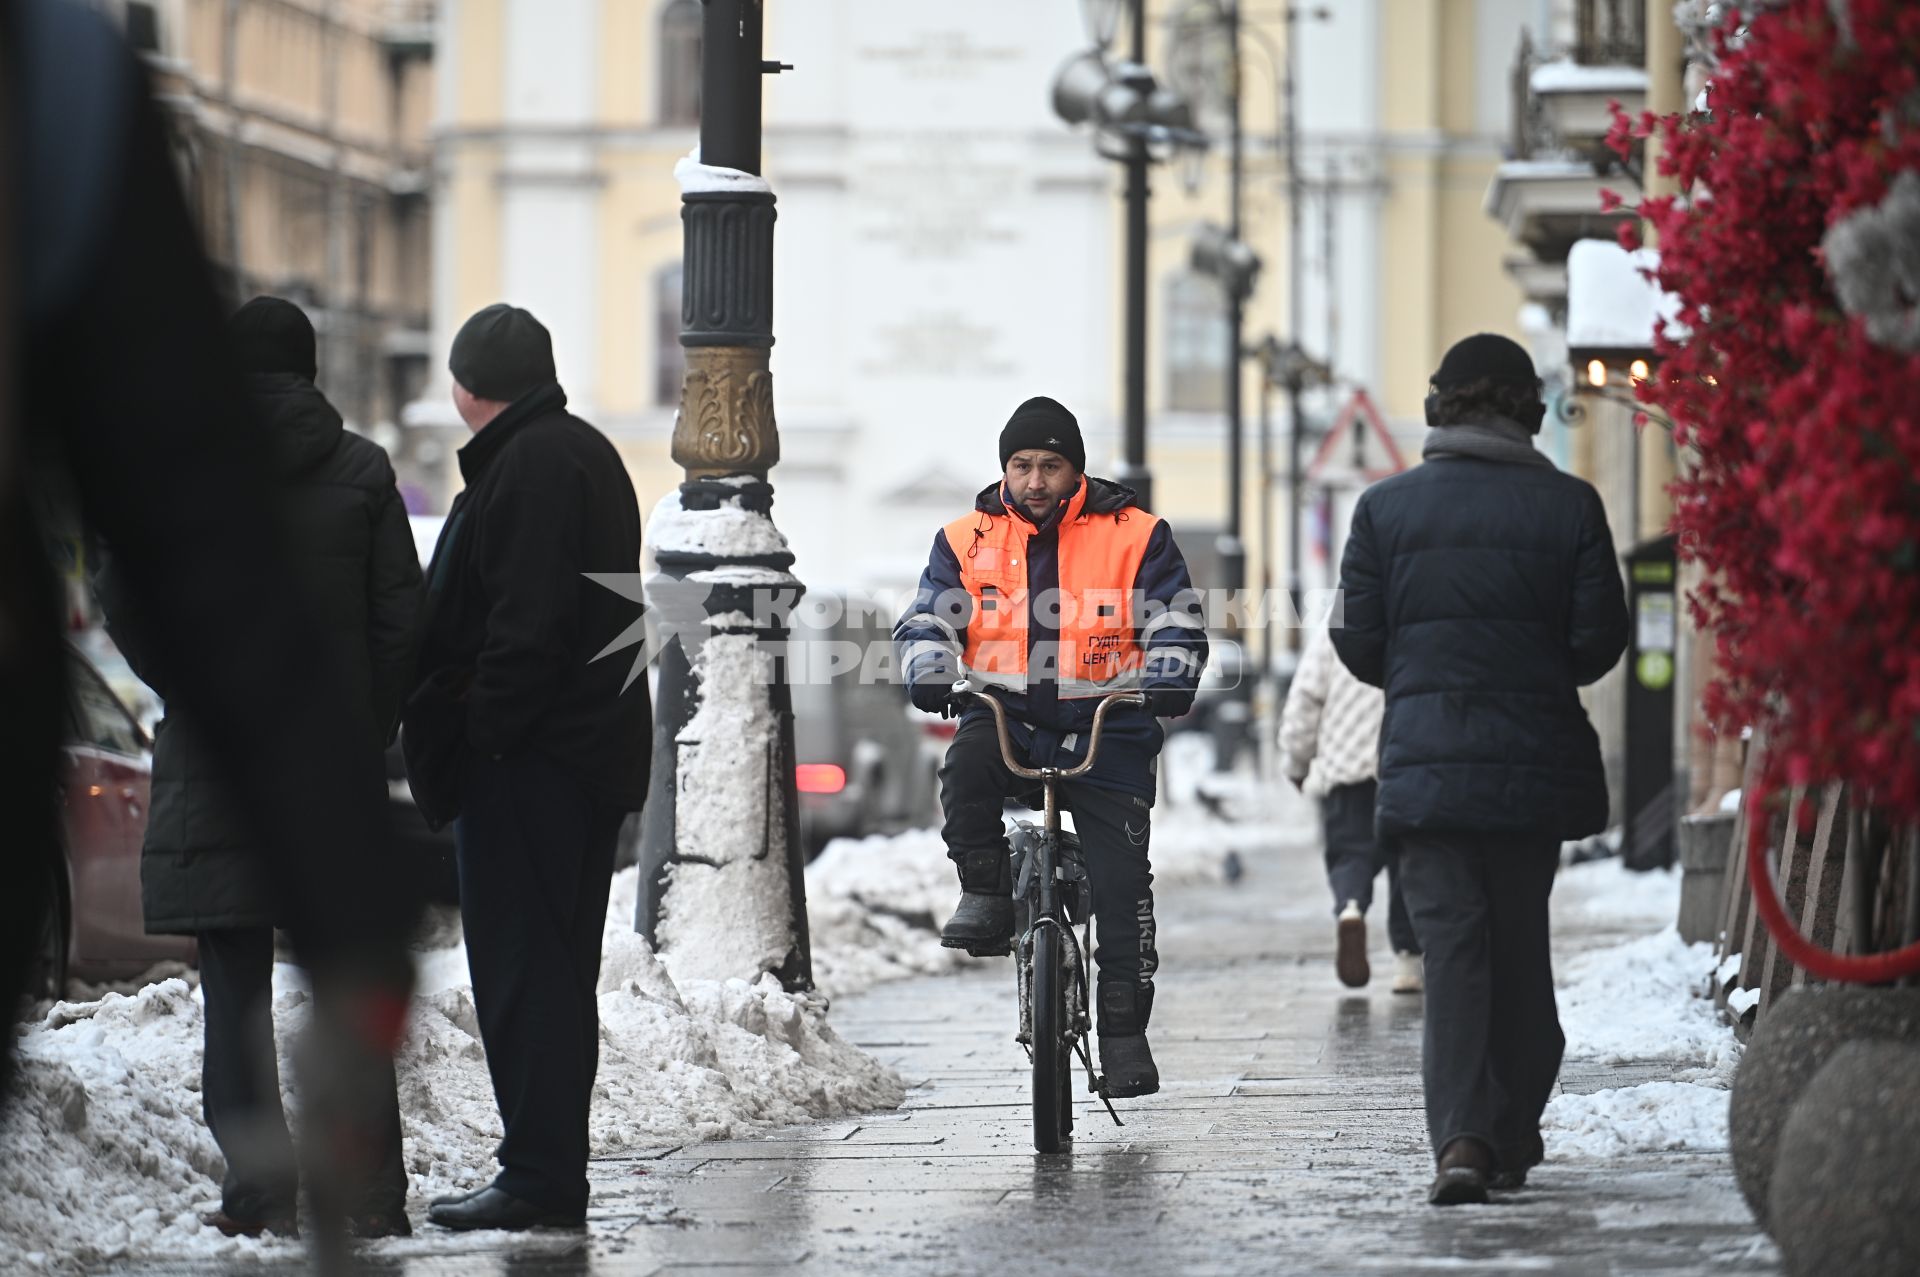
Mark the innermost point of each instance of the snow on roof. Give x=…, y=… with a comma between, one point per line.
x=1513, y=170
x=1572, y=77
x=1611, y=303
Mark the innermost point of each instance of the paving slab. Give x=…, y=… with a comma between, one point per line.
x=1289, y=1138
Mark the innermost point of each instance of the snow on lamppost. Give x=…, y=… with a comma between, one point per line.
x=722, y=888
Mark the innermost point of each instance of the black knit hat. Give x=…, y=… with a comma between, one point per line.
x=1043, y=423
x=271, y=334
x=1489, y=356
x=502, y=353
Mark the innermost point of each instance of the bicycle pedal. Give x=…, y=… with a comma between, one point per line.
x=1002, y=949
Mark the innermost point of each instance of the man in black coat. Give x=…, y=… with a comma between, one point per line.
x=537, y=749
x=1481, y=592
x=201, y=873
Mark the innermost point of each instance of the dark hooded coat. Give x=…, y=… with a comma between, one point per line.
x=344, y=517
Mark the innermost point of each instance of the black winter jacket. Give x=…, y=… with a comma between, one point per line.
x=513, y=626
x=1481, y=595
x=346, y=522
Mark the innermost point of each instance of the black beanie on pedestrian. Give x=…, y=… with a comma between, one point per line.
x=502, y=353
x=271, y=334
x=1486, y=356
x=1043, y=423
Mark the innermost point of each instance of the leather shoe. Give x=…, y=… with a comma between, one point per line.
x=1465, y=1165
x=233, y=1226
x=495, y=1208
x=452, y=1199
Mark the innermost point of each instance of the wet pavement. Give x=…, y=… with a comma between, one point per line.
x=1288, y=1138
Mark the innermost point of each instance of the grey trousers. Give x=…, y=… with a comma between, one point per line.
x=1492, y=1030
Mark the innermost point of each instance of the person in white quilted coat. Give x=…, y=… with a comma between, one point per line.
x=1330, y=748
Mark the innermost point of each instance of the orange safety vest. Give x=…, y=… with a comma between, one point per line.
x=1099, y=558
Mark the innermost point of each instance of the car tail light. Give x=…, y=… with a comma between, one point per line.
x=941, y=728
x=820, y=778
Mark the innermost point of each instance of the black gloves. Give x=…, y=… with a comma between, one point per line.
x=1168, y=702
x=936, y=698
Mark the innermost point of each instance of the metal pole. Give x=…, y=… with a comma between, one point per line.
x=231, y=154
x=1233, y=551
x=730, y=68
x=1133, y=467
x=1294, y=484
x=722, y=869
x=1266, y=513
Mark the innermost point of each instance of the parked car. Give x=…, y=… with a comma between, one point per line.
x=95, y=929
x=867, y=761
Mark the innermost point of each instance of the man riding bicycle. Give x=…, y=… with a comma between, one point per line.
x=1056, y=591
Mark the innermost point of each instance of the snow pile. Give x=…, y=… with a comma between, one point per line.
x=874, y=909
x=109, y=1159
x=1660, y=1116
x=1633, y=1003
x=1603, y=895
x=1641, y=1001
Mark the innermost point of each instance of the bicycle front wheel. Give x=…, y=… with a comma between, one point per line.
x=1050, y=1063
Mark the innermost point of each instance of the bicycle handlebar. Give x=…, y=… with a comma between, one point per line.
x=962, y=688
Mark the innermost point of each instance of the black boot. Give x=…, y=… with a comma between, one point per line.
x=983, y=922
x=1125, y=1058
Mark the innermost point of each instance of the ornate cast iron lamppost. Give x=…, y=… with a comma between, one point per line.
x=723, y=890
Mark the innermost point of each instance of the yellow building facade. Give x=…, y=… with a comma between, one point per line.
x=301, y=128
x=920, y=170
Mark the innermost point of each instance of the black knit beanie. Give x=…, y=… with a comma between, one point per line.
x=502, y=353
x=1485, y=355
x=271, y=334
x=1043, y=423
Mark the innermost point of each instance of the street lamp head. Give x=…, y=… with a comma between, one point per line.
x=1293, y=367
x=1168, y=109
x=1193, y=168
x=1220, y=256
x=1079, y=85
x=1120, y=103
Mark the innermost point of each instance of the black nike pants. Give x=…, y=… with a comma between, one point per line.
x=1115, y=829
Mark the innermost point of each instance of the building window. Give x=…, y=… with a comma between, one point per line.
x=680, y=62
x=669, y=357
x=1196, y=344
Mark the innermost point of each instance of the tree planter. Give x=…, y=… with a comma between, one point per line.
x=1845, y=1195
x=1704, y=844
x=1806, y=1027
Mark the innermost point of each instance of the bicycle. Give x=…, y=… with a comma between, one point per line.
x=1051, y=895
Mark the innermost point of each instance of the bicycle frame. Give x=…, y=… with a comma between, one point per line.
x=1043, y=864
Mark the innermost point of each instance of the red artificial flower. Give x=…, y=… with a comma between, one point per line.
x=1803, y=498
